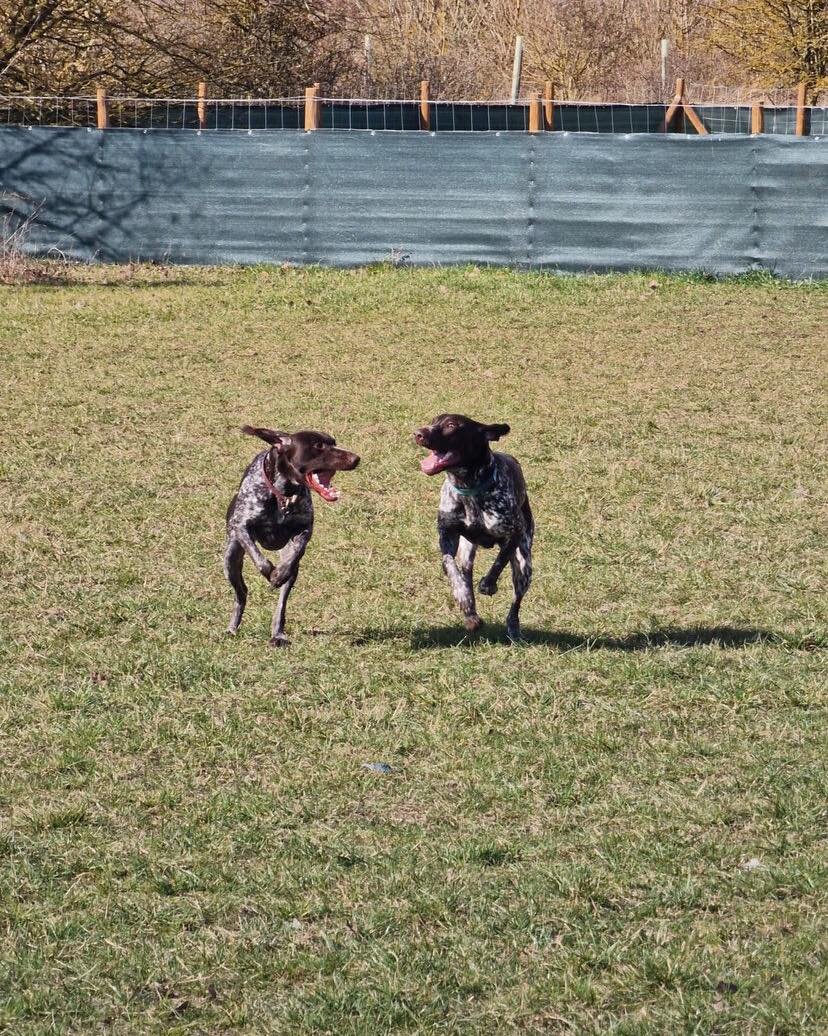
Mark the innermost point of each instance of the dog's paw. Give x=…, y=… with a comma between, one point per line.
x=513, y=632
x=277, y=577
x=472, y=623
x=487, y=586
x=279, y=642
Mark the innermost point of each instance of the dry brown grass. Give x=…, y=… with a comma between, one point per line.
x=16, y=267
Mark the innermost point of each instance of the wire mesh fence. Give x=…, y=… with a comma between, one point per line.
x=340, y=113
x=155, y=112
x=388, y=115
x=780, y=120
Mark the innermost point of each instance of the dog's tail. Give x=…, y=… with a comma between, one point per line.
x=268, y=434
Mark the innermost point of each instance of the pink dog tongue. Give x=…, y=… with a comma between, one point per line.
x=320, y=482
x=434, y=463
x=430, y=465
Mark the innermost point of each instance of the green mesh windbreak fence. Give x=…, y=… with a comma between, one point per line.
x=579, y=202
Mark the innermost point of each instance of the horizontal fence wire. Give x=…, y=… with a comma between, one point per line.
x=400, y=115
x=712, y=94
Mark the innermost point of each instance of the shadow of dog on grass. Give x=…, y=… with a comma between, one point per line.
x=424, y=638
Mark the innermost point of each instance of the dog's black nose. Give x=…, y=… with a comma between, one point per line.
x=419, y=437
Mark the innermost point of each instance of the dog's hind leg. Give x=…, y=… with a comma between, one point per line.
x=521, y=563
x=233, y=561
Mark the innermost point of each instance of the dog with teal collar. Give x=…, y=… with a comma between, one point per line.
x=483, y=503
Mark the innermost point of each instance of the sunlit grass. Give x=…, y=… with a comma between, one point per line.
x=618, y=827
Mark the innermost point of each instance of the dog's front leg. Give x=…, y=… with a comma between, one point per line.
x=252, y=550
x=459, y=580
x=488, y=584
x=277, y=632
x=289, y=557
x=287, y=572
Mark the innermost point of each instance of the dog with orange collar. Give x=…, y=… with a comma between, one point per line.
x=273, y=509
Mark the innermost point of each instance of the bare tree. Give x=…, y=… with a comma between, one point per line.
x=775, y=41
x=154, y=47
x=600, y=49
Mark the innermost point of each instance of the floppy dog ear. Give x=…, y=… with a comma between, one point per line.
x=495, y=431
x=278, y=439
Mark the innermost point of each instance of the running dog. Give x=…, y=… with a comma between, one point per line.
x=483, y=503
x=273, y=508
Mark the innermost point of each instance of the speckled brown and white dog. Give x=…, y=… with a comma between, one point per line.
x=273, y=509
x=483, y=504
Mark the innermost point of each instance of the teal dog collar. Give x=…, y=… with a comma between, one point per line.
x=480, y=487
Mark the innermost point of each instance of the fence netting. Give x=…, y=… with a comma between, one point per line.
x=570, y=202
x=354, y=114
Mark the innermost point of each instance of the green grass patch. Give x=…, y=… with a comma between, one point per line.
x=618, y=827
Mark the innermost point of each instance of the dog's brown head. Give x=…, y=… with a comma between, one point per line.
x=309, y=458
x=455, y=441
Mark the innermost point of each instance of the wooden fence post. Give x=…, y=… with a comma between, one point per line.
x=757, y=118
x=534, y=113
x=103, y=113
x=801, y=97
x=675, y=104
x=517, y=65
x=425, y=110
x=201, y=107
x=680, y=101
x=549, y=106
x=311, y=108
x=695, y=121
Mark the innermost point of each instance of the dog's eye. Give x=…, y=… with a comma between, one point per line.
x=449, y=428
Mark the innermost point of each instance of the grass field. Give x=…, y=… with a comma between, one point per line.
x=619, y=826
